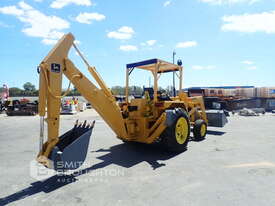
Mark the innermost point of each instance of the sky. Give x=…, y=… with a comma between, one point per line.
x=221, y=42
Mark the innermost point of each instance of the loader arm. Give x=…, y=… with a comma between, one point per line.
x=52, y=69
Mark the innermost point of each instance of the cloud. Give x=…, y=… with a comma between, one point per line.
x=124, y=32
x=58, y=4
x=251, y=63
x=11, y=10
x=166, y=3
x=87, y=18
x=54, y=41
x=77, y=42
x=151, y=42
x=252, y=68
x=126, y=29
x=250, y=23
x=49, y=41
x=186, y=44
x=198, y=67
x=37, y=24
x=128, y=48
x=220, y=2
x=24, y=6
x=247, y=62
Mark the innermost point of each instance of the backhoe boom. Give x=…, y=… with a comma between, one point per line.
x=52, y=68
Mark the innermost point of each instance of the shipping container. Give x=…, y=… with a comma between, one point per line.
x=246, y=92
x=229, y=92
x=211, y=92
x=265, y=92
x=193, y=92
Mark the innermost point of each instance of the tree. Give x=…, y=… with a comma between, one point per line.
x=15, y=91
x=133, y=90
x=29, y=87
x=73, y=92
x=136, y=90
x=118, y=90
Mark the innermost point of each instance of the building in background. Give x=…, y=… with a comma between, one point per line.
x=236, y=97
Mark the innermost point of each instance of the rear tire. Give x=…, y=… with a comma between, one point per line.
x=199, y=130
x=175, y=137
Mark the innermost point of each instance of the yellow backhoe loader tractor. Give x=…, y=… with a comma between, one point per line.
x=153, y=118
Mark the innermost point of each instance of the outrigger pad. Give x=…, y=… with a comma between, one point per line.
x=71, y=150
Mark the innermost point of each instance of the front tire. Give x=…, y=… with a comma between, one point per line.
x=199, y=129
x=176, y=136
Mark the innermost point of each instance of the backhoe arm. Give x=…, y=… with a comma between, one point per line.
x=52, y=69
x=105, y=105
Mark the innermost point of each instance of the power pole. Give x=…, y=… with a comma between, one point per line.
x=174, y=89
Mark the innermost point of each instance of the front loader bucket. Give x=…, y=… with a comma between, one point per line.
x=71, y=150
x=216, y=118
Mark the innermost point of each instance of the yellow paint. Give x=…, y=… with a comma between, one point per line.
x=203, y=130
x=181, y=130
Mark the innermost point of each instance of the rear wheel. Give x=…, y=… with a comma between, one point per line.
x=176, y=136
x=200, y=129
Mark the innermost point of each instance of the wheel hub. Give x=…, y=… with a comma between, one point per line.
x=203, y=130
x=181, y=130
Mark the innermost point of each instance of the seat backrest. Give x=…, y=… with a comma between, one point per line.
x=150, y=90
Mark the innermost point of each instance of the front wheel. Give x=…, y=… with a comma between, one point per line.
x=176, y=136
x=199, y=129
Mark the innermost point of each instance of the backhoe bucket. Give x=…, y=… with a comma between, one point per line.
x=71, y=150
x=216, y=118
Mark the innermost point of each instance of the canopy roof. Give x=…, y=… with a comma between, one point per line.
x=150, y=65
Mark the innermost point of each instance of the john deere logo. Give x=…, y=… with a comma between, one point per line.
x=55, y=67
